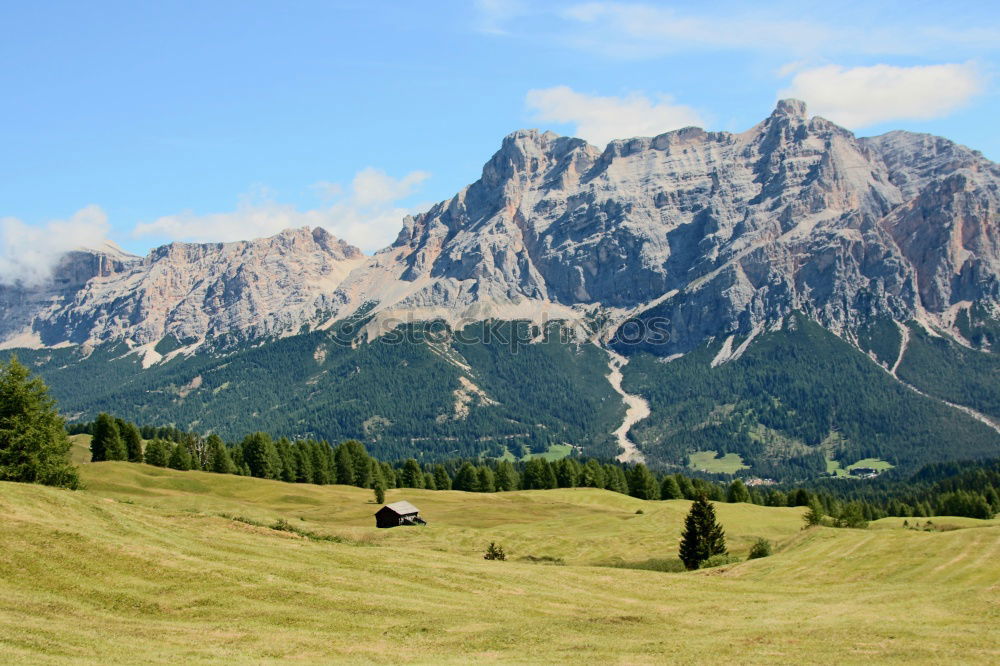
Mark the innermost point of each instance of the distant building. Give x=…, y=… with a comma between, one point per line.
x=398, y=513
x=864, y=472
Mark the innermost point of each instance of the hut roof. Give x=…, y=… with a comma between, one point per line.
x=402, y=508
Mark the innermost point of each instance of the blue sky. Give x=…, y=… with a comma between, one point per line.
x=212, y=120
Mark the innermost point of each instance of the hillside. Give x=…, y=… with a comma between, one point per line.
x=141, y=567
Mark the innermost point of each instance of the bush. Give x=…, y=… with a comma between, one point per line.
x=495, y=552
x=719, y=560
x=760, y=548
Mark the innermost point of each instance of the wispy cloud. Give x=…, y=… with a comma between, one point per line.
x=28, y=253
x=494, y=15
x=648, y=29
x=601, y=119
x=861, y=96
x=366, y=214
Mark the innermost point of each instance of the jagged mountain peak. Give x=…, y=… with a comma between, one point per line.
x=720, y=234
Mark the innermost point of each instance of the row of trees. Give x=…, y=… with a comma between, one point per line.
x=349, y=463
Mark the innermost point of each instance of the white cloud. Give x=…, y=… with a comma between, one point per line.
x=28, y=253
x=861, y=96
x=367, y=216
x=601, y=119
x=644, y=30
x=495, y=14
x=795, y=29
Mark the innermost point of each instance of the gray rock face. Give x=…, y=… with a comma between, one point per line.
x=242, y=290
x=720, y=234
x=794, y=214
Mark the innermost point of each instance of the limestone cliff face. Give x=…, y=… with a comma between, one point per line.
x=238, y=291
x=718, y=233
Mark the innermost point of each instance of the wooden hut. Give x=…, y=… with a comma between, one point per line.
x=398, y=513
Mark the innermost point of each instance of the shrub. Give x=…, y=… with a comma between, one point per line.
x=495, y=552
x=718, y=560
x=760, y=548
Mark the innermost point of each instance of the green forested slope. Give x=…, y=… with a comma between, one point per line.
x=796, y=396
x=398, y=398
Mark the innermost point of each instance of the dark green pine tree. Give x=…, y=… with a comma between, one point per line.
x=34, y=447
x=506, y=476
x=106, y=442
x=413, y=476
x=642, y=484
x=180, y=458
x=487, y=480
x=702, y=537
x=303, y=463
x=261, y=457
x=737, y=492
x=441, y=479
x=133, y=441
x=669, y=489
x=219, y=460
x=466, y=479
x=360, y=461
x=379, y=491
x=156, y=453
x=344, y=465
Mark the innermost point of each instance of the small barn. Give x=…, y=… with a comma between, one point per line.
x=398, y=513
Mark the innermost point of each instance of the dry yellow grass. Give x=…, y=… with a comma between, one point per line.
x=139, y=568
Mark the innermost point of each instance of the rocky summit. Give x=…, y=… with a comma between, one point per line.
x=717, y=233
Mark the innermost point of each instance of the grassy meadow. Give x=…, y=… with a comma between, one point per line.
x=148, y=565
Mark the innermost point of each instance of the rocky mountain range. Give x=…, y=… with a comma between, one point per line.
x=718, y=233
x=721, y=237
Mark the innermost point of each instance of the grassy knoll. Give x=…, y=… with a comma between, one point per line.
x=706, y=461
x=140, y=568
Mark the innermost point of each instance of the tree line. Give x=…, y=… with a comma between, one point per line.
x=34, y=447
x=349, y=463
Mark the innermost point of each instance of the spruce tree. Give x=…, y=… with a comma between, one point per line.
x=487, y=480
x=413, y=476
x=641, y=483
x=506, y=476
x=466, y=479
x=219, y=460
x=260, y=456
x=34, y=447
x=814, y=516
x=593, y=475
x=737, y=492
x=669, y=489
x=156, y=453
x=702, y=537
x=344, y=466
x=106, y=442
x=133, y=441
x=180, y=458
x=379, y=491
x=441, y=479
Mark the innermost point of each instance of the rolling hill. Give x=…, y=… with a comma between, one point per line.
x=152, y=565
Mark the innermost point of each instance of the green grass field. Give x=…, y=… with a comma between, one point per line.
x=706, y=461
x=834, y=467
x=141, y=567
